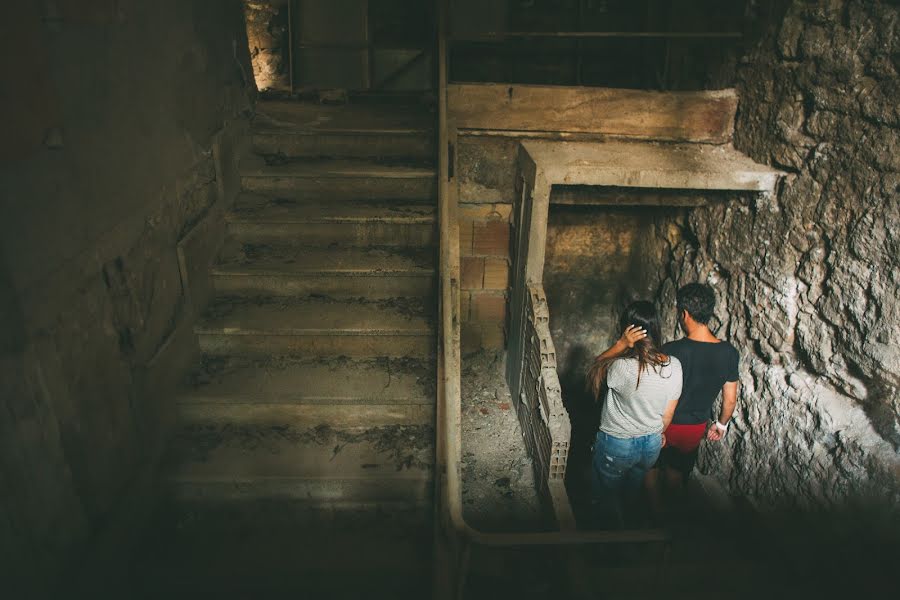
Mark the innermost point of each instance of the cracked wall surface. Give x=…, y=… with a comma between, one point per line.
x=808, y=280
x=267, y=34
x=110, y=171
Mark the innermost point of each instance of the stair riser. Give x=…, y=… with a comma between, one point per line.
x=354, y=346
x=349, y=234
x=383, y=145
x=335, y=286
x=335, y=494
x=306, y=415
x=343, y=188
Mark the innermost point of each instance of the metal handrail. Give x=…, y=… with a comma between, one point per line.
x=449, y=412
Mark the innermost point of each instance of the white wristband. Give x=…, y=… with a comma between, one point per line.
x=722, y=428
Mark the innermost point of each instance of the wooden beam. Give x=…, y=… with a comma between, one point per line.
x=667, y=116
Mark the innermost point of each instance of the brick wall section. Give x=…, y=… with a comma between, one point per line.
x=484, y=273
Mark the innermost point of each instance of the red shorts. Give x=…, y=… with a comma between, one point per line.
x=685, y=438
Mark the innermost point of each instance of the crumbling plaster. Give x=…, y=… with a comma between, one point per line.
x=808, y=279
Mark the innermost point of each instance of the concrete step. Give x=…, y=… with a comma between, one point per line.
x=316, y=327
x=337, y=272
x=339, y=179
x=370, y=144
x=338, y=392
x=260, y=219
x=378, y=466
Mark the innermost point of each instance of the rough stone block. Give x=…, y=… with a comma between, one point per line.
x=499, y=211
x=496, y=273
x=465, y=300
x=491, y=238
x=489, y=307
x=492, y=336
x=465, y=237
x=470, y=337
x=472, y=273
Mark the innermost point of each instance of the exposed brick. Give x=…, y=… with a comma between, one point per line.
x=489, y=307
x=491, y=238
x=465, y=237
x=470, y=334
x=485, y=212
x=471, y=273
x=492, y=336
x=496, y=273
x=465, y=301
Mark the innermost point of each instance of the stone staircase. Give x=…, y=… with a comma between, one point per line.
x=311, y=417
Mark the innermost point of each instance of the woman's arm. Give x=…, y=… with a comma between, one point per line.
x=667, y=417
x=632, y=334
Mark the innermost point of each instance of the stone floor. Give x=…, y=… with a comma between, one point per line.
x=499, y=491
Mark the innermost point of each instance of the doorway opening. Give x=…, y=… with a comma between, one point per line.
x=605, y=248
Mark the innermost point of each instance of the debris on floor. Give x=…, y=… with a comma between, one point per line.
x=499, y=491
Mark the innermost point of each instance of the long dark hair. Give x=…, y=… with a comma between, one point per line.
x=646, y=351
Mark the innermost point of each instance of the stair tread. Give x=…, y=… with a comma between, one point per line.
x=300, y=117
x=334, y=381
x=332, y=260
x=230, y=453
x=256, y=208
x=315, y=316
x=256, y=166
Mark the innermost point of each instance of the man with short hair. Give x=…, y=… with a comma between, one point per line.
x=709, y=365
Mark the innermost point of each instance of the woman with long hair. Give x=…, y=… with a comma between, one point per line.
x=643, y=387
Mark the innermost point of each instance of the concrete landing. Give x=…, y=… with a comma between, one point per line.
x=649, y=165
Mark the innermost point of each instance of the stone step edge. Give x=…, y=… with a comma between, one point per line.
x=197, y=399
x=348, y=332
x=237, y=271
x=263, y=219
x=299, y=130
x=406, y=475
x=384, y=172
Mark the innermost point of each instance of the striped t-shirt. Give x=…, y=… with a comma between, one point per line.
x=633, y=410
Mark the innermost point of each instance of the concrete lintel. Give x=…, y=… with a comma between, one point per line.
x=649, y=165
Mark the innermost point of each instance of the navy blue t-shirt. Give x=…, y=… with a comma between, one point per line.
x=706, y=367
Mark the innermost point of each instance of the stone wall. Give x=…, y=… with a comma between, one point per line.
x=267, y=34
x=118, y=162
x=808, y=280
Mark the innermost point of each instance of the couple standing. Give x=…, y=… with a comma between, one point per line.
x=659, y=397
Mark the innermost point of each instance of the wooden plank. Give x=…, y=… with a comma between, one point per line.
x=667, y=116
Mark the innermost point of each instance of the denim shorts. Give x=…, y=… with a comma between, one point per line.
x=622, y=462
